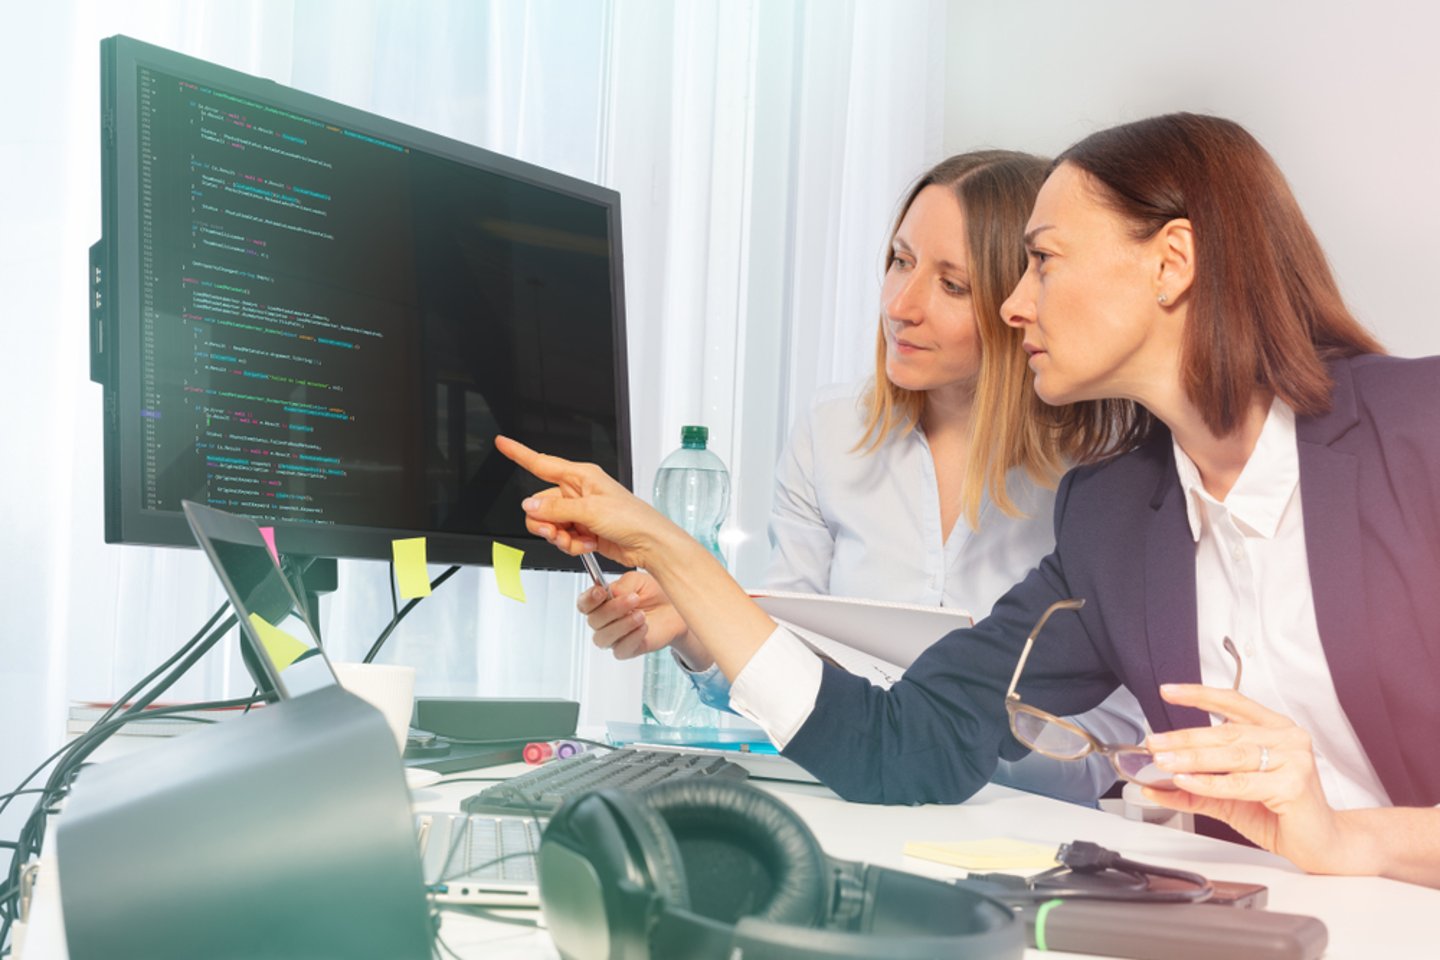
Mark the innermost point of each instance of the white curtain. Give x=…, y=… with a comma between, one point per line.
x=759, y=148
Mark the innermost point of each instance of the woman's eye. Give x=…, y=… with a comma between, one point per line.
x=1039, y=256
x=955, y=289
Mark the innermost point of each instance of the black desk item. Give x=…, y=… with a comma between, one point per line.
x=494, y=718
x=445, y=756
x=286, y=833
x=474, y=732
x=541, y=791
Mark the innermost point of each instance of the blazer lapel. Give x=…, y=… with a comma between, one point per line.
x=1170, y=614
x=1330, y=497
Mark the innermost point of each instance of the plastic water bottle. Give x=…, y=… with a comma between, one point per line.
x=692, y=488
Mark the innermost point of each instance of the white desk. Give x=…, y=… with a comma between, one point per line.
x=1366, y=917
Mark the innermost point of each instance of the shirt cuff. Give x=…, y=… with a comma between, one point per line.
x=711, y=685
x=778, y=687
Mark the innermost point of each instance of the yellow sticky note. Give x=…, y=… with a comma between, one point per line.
x=282, y=648
x=410, y=573
x=506, y=561
x=996, y=853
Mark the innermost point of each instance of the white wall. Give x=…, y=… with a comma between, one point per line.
x=1341, y=93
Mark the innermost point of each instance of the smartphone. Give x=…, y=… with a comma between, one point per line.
x=592, y=567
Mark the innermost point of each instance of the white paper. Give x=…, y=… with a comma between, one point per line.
x=875, y=639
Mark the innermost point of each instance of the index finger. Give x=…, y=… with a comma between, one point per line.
x=1230, y=704
x=542, y=465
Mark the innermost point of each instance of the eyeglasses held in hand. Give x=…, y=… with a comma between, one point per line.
x=1061, y=739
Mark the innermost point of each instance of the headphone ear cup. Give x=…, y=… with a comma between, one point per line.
x=604, y=859
x=743, y=852
x=663, y=860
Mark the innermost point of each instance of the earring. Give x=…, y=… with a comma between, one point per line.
x=1162, y=299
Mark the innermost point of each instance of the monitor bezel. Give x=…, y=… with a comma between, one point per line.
x=115, y=310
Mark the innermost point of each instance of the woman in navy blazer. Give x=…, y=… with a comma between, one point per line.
x=1262, y=472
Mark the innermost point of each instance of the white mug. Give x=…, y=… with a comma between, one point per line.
x=389, y=687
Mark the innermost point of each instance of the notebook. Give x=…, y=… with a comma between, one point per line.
x=467, y=859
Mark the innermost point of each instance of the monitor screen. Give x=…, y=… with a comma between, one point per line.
x=320, y=318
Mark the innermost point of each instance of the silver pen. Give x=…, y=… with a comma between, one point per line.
x=592, y=567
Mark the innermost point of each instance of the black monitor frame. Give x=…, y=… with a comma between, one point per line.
x=115, y=321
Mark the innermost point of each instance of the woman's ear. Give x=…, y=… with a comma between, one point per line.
x=1174, y=245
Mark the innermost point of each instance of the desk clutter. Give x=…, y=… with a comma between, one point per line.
x=288, y=832
x=703, y=865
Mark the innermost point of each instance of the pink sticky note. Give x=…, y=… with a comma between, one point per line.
x=269, y=534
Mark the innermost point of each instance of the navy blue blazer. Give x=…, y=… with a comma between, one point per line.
x=1370, y=492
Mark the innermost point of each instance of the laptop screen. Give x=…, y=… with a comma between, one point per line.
x=275, y=626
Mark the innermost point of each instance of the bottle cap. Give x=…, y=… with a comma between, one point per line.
x=693, y=436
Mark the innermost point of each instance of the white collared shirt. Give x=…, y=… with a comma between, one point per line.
x=1252, y=584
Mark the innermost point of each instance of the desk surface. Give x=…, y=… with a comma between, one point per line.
x=1366, y=916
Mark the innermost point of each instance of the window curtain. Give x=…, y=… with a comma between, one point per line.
x=759, y=147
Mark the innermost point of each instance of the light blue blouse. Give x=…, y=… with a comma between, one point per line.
x=868, y=525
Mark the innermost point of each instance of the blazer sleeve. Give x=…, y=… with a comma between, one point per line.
x=935, y=736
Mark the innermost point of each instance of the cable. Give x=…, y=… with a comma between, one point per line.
x=446, y=947
x=1089, y=871
x=487, y=914
x=124, y=698
x=72, y=755
x=394, y=600
x=28, y=841
x=395, y=620
x=438, y=783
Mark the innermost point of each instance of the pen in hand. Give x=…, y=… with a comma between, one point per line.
x=592, y=567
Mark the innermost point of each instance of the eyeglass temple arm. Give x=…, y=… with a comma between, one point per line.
x=1072, y=604
x=1239, y=665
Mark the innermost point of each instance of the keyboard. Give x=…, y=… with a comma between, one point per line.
x=540, y=792
x=479, y=859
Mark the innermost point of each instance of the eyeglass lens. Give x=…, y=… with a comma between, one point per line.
x=1139, y=765
x=1051, y=739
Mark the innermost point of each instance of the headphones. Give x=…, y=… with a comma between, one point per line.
x=722, y=870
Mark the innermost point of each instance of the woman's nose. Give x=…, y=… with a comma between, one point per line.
x=905, y=304
x=1019, y=308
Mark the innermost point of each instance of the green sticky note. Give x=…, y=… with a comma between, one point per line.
x=282, y=648
x=506, y=562
x=410, y=573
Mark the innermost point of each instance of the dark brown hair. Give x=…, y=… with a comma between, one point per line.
x=1010, y=425
x=1264, y=312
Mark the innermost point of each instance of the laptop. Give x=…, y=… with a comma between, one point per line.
x=471, y=859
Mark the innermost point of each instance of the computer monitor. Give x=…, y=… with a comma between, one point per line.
x=321, y=318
